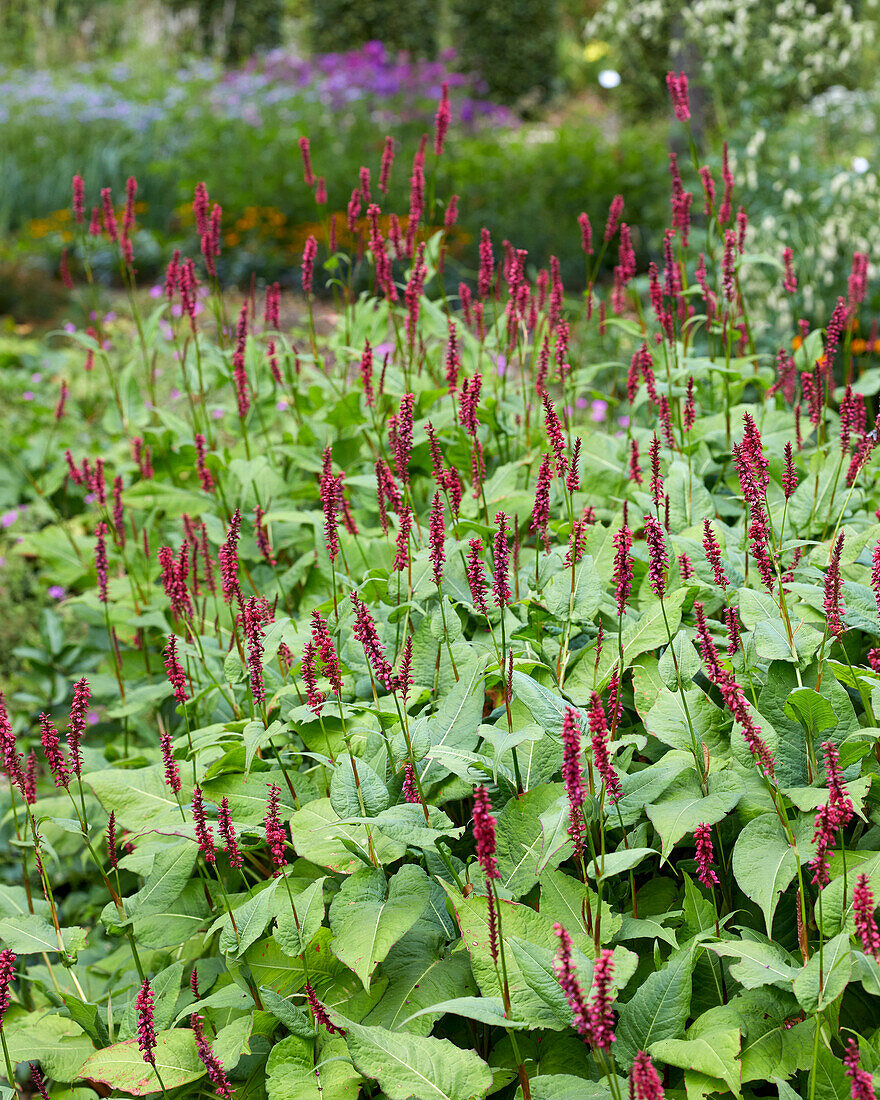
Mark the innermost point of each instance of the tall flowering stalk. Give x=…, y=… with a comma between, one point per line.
x=593, y=1020
x=7, y=975
x=485, y=843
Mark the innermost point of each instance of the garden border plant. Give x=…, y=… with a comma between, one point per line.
x=444, y=743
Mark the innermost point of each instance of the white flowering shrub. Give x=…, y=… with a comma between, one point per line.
x=763, y=53
x=807, y=186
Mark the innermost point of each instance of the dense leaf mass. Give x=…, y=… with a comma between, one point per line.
x=473, y=696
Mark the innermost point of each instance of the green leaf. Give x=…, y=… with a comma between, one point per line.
x=89, y=1017
x=59, y=1044
x=618, y=863
x=760, y=963
x=419, y=978
x=32, y=935
x=525, y=844
x=828, y=1079
x=295, y=1072
x=716, y=1054
x=407, y=1065
x=825, y=976
x=564, y=1086
x=684, y=806
x=764, y=864
x=344, y=791
x=456, y=722
x=580, y=602
x=657, y=1010
x=689, y=662
x=366, y=923
x=319, y=836
x=545, y=706
x=122, y=1066
x=251, y=918
x=171, y=871
x=294, y=933
x=647, y=784
x=291, y=1015
x=812, y=710
x=139, y=797
x=536, y=966
x=485, y=1010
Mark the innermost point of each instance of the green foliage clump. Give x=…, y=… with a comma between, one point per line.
x=513, y=44
x=475, y=695
x=340, y=25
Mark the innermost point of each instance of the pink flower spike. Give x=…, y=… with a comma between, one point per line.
x=484, y=833
x=276, y=835
x=861, y=1080
x=76, y=727
x=227, y=831
x=573, y=777
x=54, y=755
x=500, y=561
x=210, y=1061
x=599, y=745
x=705, y=855
x=863, y=912
x=7, y=974
x=678, y=91
x=204, y=833
x=645, y=1082
x=571, y=987
x=146, y=1025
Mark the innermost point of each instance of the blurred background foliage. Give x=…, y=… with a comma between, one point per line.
x=558, y=106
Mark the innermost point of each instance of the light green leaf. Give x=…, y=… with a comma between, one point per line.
x=716, y=1054
x=419, y=978
x=684, y=806
x=658, y=1010
x=32, y=935
x=485, y=1010
x=139, y=797
x=812, y=710
x=122, y=1066
x=317, y=835
x=760, y=963
x=618, y=863
x=529, y=837
x=825, y=976
x=344, y=792
x=409, y=1065
x=295, y=1072
x=546, y=706
x=764, y=864
x=251, y=918
x=579, y=604
x=171, y=871
x=366, y=923
x=294, y=933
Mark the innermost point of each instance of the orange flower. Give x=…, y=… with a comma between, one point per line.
x=796, y=342
x=859, y=347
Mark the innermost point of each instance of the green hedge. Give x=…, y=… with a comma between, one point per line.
x=339, y=25
x=513, y=44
